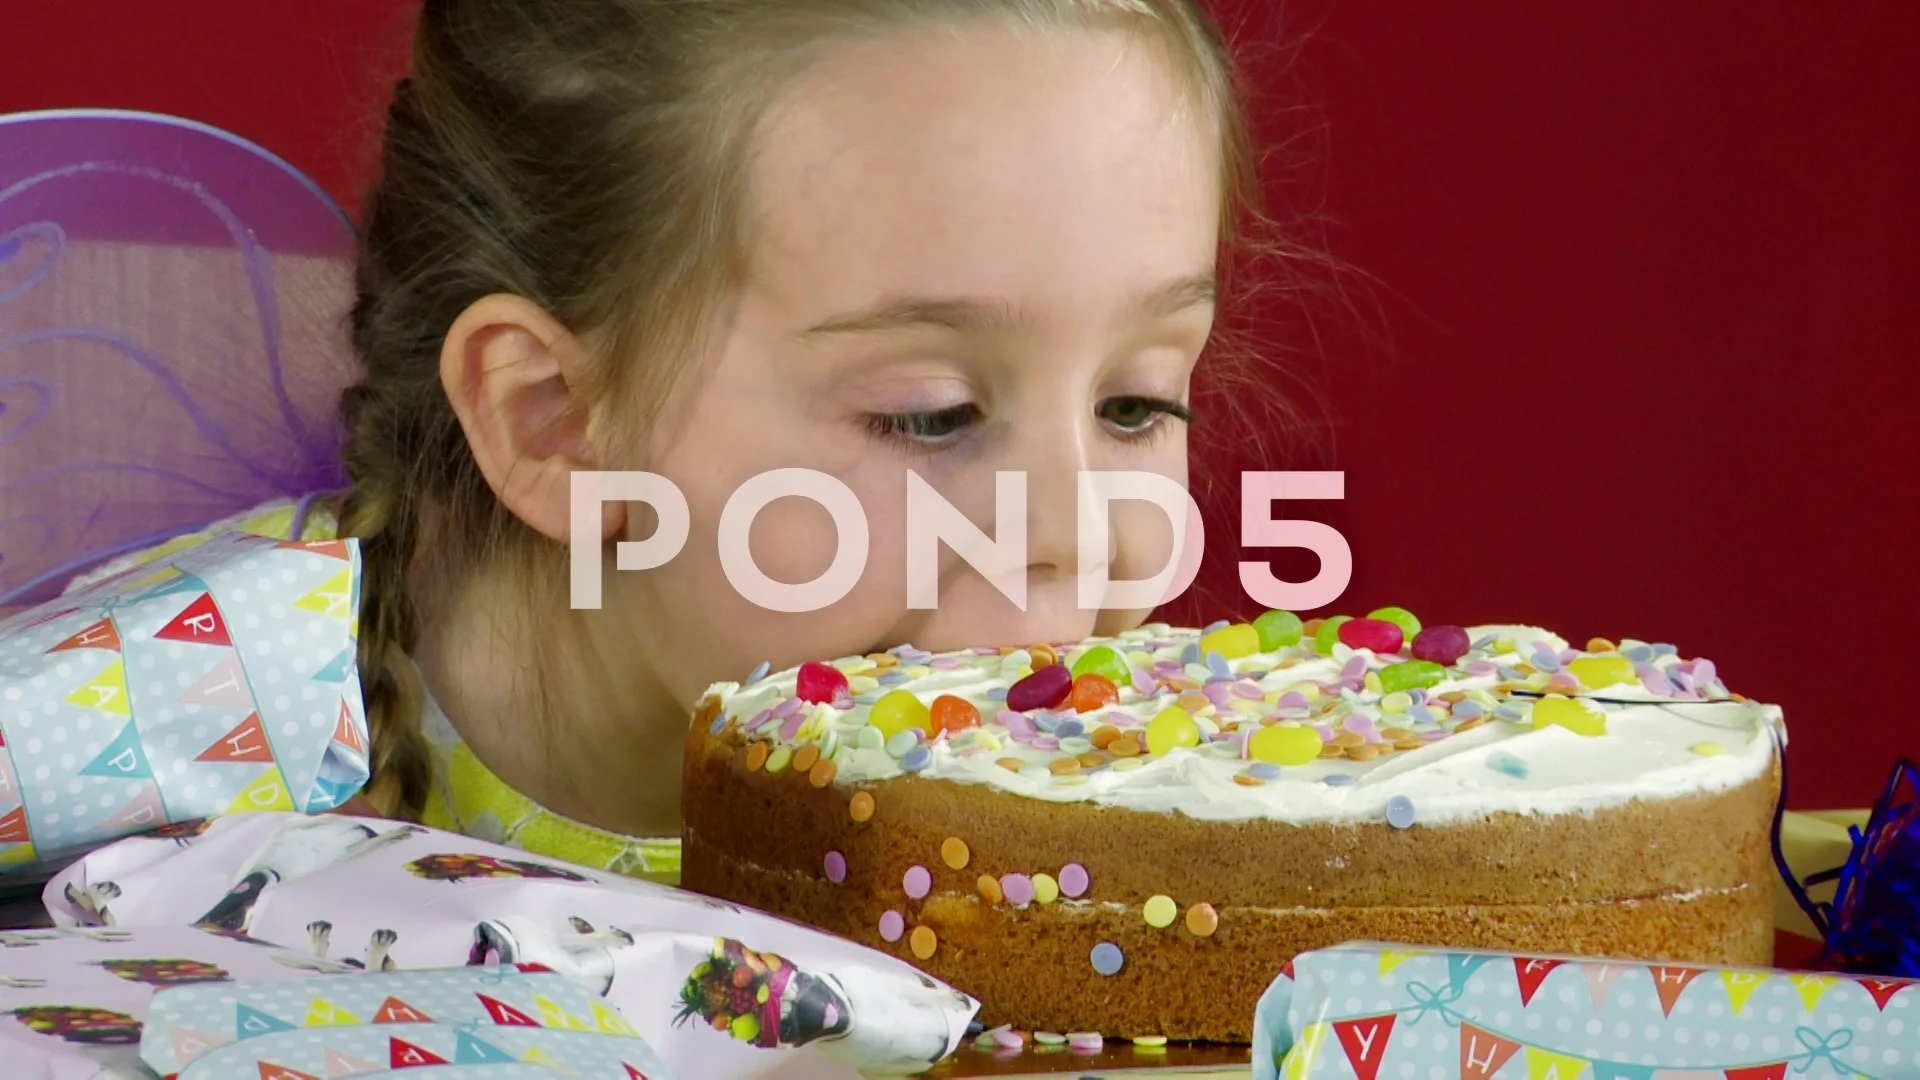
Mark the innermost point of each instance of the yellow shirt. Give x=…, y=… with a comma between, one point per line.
x=466, y=796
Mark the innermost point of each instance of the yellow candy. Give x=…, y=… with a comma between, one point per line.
x=1231, y=642
x=1576, y=716
x=1372, y=682
x=1283, y=745
x=898, y=711
x=860, y=684
x=1595, y=672
x=1172, y=728
x=916, y=671
x=1045, y=889
x=1397, y=702
x=1160, y=911
x=1140, y=659
x=1251, y=707
x=777, y=760
x=1708, y=749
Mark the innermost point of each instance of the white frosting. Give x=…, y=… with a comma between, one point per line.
x=1654, y=747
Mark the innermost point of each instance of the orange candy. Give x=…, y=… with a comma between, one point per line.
x=1093, y=691
x=954, y=714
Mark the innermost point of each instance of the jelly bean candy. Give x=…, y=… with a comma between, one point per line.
x=1595, y=672
x=1278, y=629
x=1172, y=728
x=1044, y=689
x=898, y=711
x=952, y=713
x=1283, y=745
x=1231, y=642
x=1329, y=633
x=1092, y=691
x=1400, y=617
x=1397, y=678
x=819, y=684
x=1105, y=661
x=1441, y=644
x=1576, y=716
x=1377, y=634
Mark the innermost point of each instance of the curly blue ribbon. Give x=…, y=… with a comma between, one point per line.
x=1822, y=1046
x=1427, y=999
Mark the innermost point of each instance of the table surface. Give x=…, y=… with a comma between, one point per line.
x=1196, y=1061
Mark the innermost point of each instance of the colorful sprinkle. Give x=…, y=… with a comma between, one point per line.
x=1017, y=888
x=1576, y=716
x=1338, y=779
x=1049, y=1038
x=1107, y=959
x=1045, y=889
x=1074, y=880
x=918, y=882
x=917, y=759
x=836, y=867
x=1171, y=729
x=1007, y=1039
x=1085, y=1042
x=989, y=889
x=1502, y=762
x=1150, y=1041
x=777, y=760
x=923, y=942
x=1265, y=770
x=954, y=852
x=1160, y=911
x=1202, y=920
x=1400, y=812
x=860, y=807
x=892, y=926
x=757, y=756
x=1708, y=749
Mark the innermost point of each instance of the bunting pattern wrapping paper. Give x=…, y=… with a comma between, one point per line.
x=445, y=1050
x=1381, y=1012
x=718, y=991
x=219, y=680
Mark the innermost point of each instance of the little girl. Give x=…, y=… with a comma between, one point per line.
x=710, y=240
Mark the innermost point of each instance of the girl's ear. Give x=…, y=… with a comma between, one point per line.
x=517, y=381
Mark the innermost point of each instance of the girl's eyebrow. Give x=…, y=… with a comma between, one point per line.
x=966, y=315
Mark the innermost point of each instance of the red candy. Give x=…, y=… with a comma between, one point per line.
x=1441, y=644
x=1093, y=691
x=1044, y=689
x=819, y=684
x=1377, y=634
x=953, y=714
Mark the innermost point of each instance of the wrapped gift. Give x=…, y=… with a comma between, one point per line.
x=1872, y=924
x=221, y=679
x=1384, y=1012
x=718, y=991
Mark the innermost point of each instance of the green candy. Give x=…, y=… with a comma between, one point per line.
x=1329, y=635
x=1105, y=661
x=1278, y=629
x=1399, y=617
x=1396, y=678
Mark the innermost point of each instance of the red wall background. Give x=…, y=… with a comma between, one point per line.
x=1627, y=344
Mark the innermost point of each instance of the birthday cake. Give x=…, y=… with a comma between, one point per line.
x=1134, y=835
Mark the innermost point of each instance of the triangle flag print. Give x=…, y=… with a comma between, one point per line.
x=1365, y=1041
x=1883, y=989
x=553, y=1016
x=324, y=1013
x=13, y=826
x=347, y=730
x=1600, y=980
x=165, y=581
x=471, y=1051
x=1306, y=1050
x=1391, y=958
x=9, y=781
x=246, y=742
x=1482, y=1053
x=505, y=1014
x=608, y=1021
x=1547, y=1065
x=269, y=792
x=189, y=1044
x=1812, y=988
x=270, y=1071
x=1775, y=1071
x=333, y=549
x=106, y=691
x=329, y=794
x=1461, y=966
x=144, y=811
x=125, y=758
x=343, y=1064
x=225, y=686
x=1740, y=986
x=537, y=1056
x=338, y=668
x=332, y=598
x=395, y=1011
x=633, y=1073
x=100, y=635
x=1532, y=971
x=402, y=1054
x=1620, y=1070
x=251, y=1023
x=199, y=624
x=1668, y=982
x=18, y=854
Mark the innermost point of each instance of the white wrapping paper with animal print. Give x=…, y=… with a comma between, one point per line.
x=720, y=992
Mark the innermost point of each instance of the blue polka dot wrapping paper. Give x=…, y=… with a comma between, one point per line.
x=1382, y=1012
x=219, y=680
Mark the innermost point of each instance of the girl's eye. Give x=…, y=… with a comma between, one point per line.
x=1137, y=417
x=925, y=428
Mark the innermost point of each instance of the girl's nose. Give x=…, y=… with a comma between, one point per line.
x=1054, y=458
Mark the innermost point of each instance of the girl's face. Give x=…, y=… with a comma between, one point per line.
x=974, y=252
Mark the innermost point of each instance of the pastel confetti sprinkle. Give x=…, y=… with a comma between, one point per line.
x=1049, y=1038
x=1150, y=1040
x=1160, y=911
x=917, y=759
x=1007, y=1039
x=1338, y=779
x=1107, y=959
x=923, y=942
x=1502, y=762
x=955, y=853
x=1074, y=880
x=836, y=867
x=1400, y=812
x=1045, y=889
x=892, y=926
x=759, y=672
x=917, y=882
x=1708, y=749
x=1017, y=888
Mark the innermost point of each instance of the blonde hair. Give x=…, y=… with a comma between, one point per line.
x=591, y=156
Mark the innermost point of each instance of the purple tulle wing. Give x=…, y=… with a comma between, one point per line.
x=173, y=342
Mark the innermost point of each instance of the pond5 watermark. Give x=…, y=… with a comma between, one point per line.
x=1001, y=558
